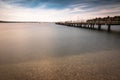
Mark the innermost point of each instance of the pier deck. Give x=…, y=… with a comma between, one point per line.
x=109, y=21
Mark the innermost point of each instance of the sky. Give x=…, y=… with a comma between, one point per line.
x=57, y=10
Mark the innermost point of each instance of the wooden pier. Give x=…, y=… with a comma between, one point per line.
x=91, y=23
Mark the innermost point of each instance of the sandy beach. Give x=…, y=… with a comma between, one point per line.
x=103, y=65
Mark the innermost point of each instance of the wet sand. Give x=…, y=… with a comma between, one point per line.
x=104, y=65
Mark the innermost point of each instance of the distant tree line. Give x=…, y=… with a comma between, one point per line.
x=104, y=19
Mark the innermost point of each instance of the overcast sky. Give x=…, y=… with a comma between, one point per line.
x=57, y=10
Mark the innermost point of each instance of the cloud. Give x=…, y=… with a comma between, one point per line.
x=16, y=12
x=56, y=10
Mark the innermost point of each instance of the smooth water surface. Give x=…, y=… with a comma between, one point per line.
x=30, y=41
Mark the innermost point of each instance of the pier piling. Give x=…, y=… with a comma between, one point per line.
x=99, y=26
x=109, y=28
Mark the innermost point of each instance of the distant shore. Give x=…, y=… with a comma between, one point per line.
x=18, y=22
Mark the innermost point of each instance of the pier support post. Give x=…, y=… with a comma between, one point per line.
x=109, y=27
x=77, y=25
x=81, y=25
x=93, y=26
x=88, y=25
x=99, y=26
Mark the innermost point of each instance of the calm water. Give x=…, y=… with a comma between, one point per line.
x=20, y=42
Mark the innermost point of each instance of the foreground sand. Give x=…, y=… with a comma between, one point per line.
x=89, y=66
